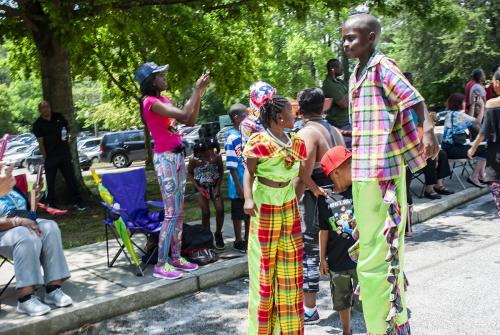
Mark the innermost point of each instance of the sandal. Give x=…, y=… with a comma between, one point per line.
x=443, y=190
x=469, y=180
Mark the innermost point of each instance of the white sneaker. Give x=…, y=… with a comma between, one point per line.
x=58, y=298
x=32, y=307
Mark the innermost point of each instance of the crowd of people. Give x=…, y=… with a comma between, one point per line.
x=329, y=199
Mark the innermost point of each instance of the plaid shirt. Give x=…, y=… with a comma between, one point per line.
x=384, y=135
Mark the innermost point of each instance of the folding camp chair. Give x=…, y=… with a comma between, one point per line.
x=127, y=196
x=4, y=260
x=461, y=164
x=419, y=177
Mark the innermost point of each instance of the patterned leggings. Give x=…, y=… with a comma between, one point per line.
x=171, y=172
x=495, y=190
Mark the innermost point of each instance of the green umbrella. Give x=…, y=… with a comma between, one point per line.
x=120, y=226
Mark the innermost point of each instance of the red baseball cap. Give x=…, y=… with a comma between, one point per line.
x=334, y=158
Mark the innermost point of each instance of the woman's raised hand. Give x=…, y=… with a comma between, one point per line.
x=202, y=83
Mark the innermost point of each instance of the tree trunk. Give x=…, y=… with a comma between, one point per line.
x=55, y=72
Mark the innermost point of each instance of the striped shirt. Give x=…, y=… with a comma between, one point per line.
x=234, y=160
x=384, y=136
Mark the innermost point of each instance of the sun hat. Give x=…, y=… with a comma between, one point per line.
x=146, y=69
x=334, y=158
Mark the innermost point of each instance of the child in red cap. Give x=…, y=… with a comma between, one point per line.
x=337, y=237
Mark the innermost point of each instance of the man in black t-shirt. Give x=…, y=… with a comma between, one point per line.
x=339, y=235
x=52, y=132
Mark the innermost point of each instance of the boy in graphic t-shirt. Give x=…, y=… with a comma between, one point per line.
x=339, y=235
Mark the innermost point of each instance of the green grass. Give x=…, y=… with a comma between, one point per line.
x=81, y=228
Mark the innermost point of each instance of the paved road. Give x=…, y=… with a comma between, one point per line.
x=453, y=265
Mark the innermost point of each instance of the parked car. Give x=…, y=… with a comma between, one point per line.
x=93, y=153
x=17, y=159
x=90, y=147
x=35, y=159
x=15, y=143
x=26, y=138
x=191, y=134
x=122, y=148
x=222, y=134
x=84, y=135
x=15, y=149
x=89, y=143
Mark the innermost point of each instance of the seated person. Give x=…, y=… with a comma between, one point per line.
x=32, y=244
x=454, y=135
x=435, y=171
x=339, y=236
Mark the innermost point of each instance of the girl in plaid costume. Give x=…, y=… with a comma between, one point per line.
x=275, y=242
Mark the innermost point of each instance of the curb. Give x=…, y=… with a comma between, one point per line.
x=155, y=293
x=433, y=208
x=129, y=300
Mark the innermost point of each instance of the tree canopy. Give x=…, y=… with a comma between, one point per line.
x=286, y=43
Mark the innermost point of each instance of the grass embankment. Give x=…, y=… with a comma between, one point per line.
x=81, y=228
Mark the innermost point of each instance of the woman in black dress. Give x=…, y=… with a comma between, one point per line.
x=490, y=132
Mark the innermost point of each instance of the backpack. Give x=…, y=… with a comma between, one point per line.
x=197, y=244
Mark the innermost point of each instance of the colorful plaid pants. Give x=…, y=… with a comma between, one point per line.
x=171, y=172
x=275, y=254
x=381, y=211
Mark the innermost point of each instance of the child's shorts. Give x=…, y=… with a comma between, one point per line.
x=343, y=284
x=237, y=212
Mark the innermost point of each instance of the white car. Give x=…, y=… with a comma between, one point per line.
x=90, y=147
x=15, y=149
x=88, y=143
x=17, y=159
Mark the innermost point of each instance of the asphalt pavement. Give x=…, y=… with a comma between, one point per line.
x=452, y=263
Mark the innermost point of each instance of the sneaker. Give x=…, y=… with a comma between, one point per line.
x=58, y=298
x=166, y=271
x=311, y=319
x=240, y=246
x=32, y=307
x=219, y=241
x=184, y=265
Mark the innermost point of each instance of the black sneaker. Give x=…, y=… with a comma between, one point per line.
x=219, y=241
x=240, y=246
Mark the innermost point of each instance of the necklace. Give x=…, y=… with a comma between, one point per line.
x=306, y=121
x=280, y=142
x=287, y=147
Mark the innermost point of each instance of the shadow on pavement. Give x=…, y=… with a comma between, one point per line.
x=444, y=233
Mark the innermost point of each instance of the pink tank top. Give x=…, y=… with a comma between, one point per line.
x=162, y=128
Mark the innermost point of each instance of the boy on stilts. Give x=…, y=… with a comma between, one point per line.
x=384, y=140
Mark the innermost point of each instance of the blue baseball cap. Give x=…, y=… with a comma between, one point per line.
x=146, y=69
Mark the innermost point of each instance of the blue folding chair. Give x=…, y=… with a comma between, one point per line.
x=128, y=190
